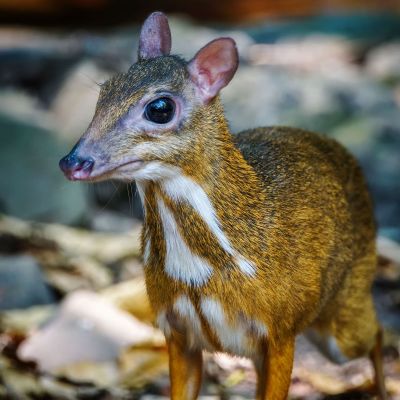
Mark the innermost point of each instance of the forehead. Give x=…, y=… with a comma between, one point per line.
x=166, y=72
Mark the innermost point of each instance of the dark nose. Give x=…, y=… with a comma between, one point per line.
x=75, y=167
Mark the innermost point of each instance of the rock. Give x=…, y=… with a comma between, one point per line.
x=22, y=284
x=18, y=383
x=390, y=250
x=366, y=27
x=35, y=61
x=31, y=184
x=78, y=272
x=25, y=108
x=107, y=248
x=311, y=53
x=265, y=96
x=139, y=367
x=312, y=367
x=130, y=296
x=383, y=62
x=73, y=106
x=375, y=141
x=111, y=222
x=22, y=321
x=280, y=97
x=188, y=38
x=102, y=247
x=86, y=328
x=73, y=258
x=103, y=374
x=128, y=269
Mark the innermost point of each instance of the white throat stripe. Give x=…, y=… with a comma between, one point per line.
x=180, y=263
x=181, y=188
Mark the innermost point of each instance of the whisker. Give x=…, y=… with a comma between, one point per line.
x=133, y=199
x=147, y=202
x=97, y=85
x=116, y=188
x=136, y=194
x=129, y=197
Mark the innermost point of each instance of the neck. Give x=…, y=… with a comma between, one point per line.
x=203, y=211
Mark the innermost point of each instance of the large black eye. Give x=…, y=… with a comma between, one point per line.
x=160, y=110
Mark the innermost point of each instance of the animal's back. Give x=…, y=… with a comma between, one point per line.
x=323, y=209
x=307, y=169
x=239, y=256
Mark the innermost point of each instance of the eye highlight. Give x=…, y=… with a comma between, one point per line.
x=160, y=111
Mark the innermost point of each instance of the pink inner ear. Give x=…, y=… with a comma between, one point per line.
x=155, y=36
x=213, y=67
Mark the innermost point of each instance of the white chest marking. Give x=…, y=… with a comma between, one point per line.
x=163, y=324
x=180, y=263
x=181, y=188
x=231, y=339
x=184, y=308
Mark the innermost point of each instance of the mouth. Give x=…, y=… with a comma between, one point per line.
x=124, y=169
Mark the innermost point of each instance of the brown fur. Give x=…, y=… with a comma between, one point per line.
x=292, y=202
x=298, y=227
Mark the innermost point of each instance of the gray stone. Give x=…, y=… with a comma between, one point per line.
x=368, y=27
x=309, y=53
x=31, y=183
x=73, y=106
x=90, y=328
x=375, y=141
x=383, y=62
x=264, y=96
x=22, y=284
x=111, y=222
x=188, y=38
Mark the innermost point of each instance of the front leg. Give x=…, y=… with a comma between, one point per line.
x=274, y=368
x=185, y=369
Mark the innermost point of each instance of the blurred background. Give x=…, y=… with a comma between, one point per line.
x=74, y=318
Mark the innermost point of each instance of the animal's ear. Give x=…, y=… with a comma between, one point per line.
x=155, y=36
x=213, y=67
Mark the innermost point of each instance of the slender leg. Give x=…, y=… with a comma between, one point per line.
x=376, y=358
x=185, y=369
x=274, y=369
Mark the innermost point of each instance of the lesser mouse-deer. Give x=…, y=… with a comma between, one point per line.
x=248, y=239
